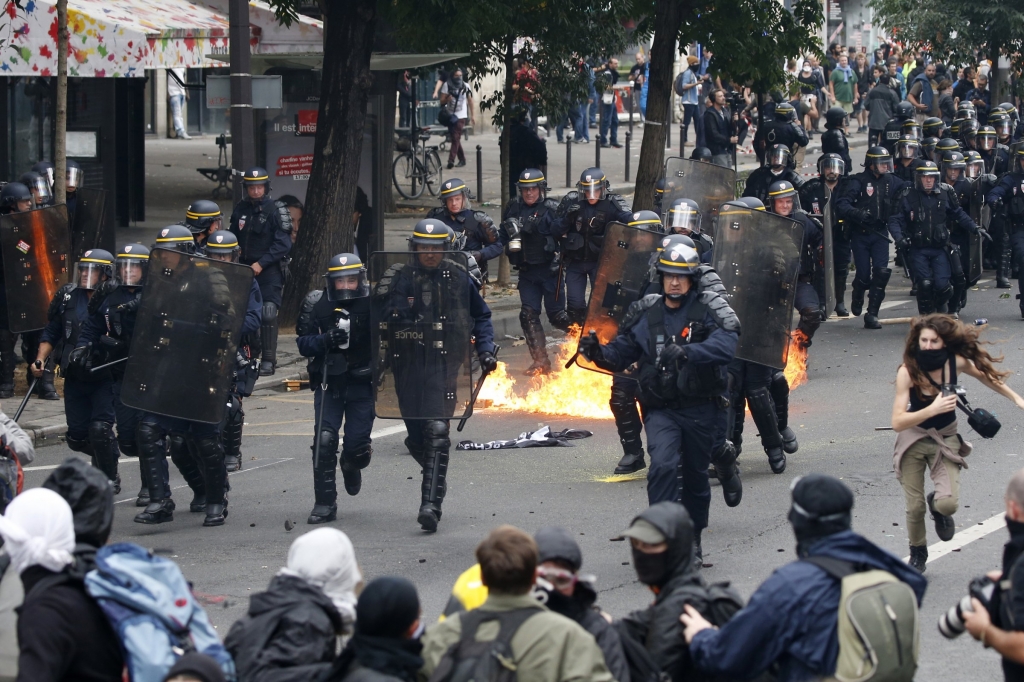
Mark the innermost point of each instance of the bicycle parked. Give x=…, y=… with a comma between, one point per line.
x=416, y=167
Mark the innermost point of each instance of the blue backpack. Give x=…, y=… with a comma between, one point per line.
x=151, y=608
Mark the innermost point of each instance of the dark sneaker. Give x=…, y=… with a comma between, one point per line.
x=945, y=527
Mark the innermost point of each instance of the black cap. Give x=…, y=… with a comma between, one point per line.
x=387, y=608
x=821, y=506
x=198, y=665
x=557, y=544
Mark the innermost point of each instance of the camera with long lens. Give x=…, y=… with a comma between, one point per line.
x=735, y=101
x=951, y=623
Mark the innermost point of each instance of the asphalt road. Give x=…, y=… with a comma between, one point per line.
x=848, y=395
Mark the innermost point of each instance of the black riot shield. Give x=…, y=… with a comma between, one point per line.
x=187, y=330
x=421, y=326
x=757, y=255
x=981, y=214
x=707, y=184
x=91, y=230
x=828, y=264
x=35, y=246
x=622, y=272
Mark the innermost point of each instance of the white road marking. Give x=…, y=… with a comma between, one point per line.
x=965, y=537
x=233, y=473
x=891, y=304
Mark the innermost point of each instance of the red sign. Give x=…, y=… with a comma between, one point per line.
x=306, y=122
x=300, y=164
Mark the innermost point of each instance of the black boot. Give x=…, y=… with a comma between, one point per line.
x=945, y=526
x=762, y=410
x=152, y=448
x=857, y=295
x=211, y=455
x=7, y=364
x=559, y=320
x=728, y=472
x=1005, y=267
x=780, y=396
x=325, y=485
x=942, y=299
x=352, y=464
x=435, y=471
x=186, y=459
x=840, y=281
x=535, y=341
x=919, y=558
x=268, y=339
x=231, y=436
x=628, y=423
x=698, y=551
x=875, y=297
x=577, y=316
x=105, y=454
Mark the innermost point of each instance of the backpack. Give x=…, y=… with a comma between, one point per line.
x=471, y=661
x=151, y=608
x=878, y=623
x=678, y=84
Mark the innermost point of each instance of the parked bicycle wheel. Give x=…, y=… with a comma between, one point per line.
x=433, y=171
x=407, y=173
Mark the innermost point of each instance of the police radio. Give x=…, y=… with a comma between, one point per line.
x=344, y=323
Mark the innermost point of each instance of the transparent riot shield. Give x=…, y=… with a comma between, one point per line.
x=827, y=267
x=622, y=272
x=34, y=246
x=90, y=229
x=981, y=214
x=707, y=184
x=187, y=330
x=421, y=330
x=757, y=255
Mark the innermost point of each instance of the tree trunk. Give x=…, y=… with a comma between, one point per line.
x=327, y=226
x=504, y=273
x=59, y=146
x=668, y=16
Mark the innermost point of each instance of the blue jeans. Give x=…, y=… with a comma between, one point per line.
x=177, y=102
x=609, y=119
x=575, y=118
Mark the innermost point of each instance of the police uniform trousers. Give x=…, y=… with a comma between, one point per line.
x=86, y=402
x=680, y=443
x=576, y=275
x=806, y=295
x=537, y=285
x=1017, y=245
x=351, y=403
x=842, y=252
x=189, y=430
x=870, y=252
x=271, y=283
x=931, y=263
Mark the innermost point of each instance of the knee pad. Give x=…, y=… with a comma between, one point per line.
x=101, y=432
x=779, y=387
x=358, y=458
x=880, y=277
x=762, y=410
x=236, y=415
x=83, y=445
x=127, y=445
x=810, y=319
x=151, y=440
x=328, y=442
x=725, y=456
x=435, y=434
x=269, y=312
x=209, y=449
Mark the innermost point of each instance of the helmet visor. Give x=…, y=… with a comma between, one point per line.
x=40, y=189
x=1003, y=127
x=832, y=166
x=89, y=275
x=927, y=181
x=347, y=284
x=593, y=190
x=75, y=176
x=882, y=165
x=911, y=131
x=225, y=255
x=683, y=219
x=131, y=271
x=975, y=168
x=778, y=156
x=907, y=149
x=986, y=142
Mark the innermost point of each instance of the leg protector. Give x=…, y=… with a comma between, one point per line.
x=724, y=460
x=810, y=320
x=857, y=293
x=875, y=297
x=185, y=458
x=925, y=297
x=152, y=448
x=268, y=339
x=559, y=320
x=942, y=298
x=534, y=333
x=104, y=447
x=628, y=423
x=779, y=389
x=325, y=472
x=352, y=464
x=231, y=436
x=83, y=445
x=1004, y=268
x=762, y=410
x=840, y=282
x=211, y=453
x=435, y=471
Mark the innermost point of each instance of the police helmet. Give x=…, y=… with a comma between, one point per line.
x=456, y=240
x=659, y=193
x=201, y=216
x=532, y=177
x=683, y=217
x=13, y=194
x=953, y=161
x=678, y=259
x=933, y=127
x=701, y=154
x=831, y=163
x=954, y=128
x=752, y=203
x=429, y=231
x=1017, y=162
x=904, y=110
x=928, y=145
x=778, y=156
x=592, y=184
x=346, y=278
x=975, y=165
x=454, y=187
x=223, y=245
x=176, y=238
x=95, y=266
x=987, y=138
x=1011, y=111
x=907, y=147
x=968, y=130
x=255, y=176
x=926, y=170
x=74, y=175
x=967, y=110
x=1000, y=121
x=786, y=112
x=131, y=263
x=39, y=186
x=646, y=220
x=834, y=118
x=780, y=189
x=878, y=159
x=947, y=144
x=910, y=129
x=45, y=168
x=668, y=240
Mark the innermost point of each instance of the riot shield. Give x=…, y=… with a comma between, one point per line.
x=35, y=246
x=187, y=330
x=421, y=326
x=90, y=229
x=981, y=214
x=757, y=255
x=622, y=272
x=707, y=184
x=828, y=266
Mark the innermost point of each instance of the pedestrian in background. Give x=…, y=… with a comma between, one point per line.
x=458, y=100
x=177, y=95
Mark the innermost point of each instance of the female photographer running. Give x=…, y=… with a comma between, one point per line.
x=938, y=349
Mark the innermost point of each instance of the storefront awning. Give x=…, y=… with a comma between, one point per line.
x=123, y=38
x=379, y=61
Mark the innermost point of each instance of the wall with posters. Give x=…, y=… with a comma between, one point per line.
x=289, y=133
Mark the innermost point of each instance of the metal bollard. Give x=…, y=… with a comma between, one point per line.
x=568, y=162
x=682, y=141
x=668, y=125
x=597, y=139
x=630, y=110
x=479, y=174
x=629, y=137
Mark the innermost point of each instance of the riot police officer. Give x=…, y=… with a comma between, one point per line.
x=833, y=140
x=659, y=193
x=526, y=231
x=333, y=332
x=106, y=337
x=995, y=155
x=893, y=129
x=928, y=146
x=701, y=154
x=953, y=175
x=45, y=169
x=580, y=222
x=921, y=226
x=42, y=195
x=998, y=253
x=784, y=129
x=409, y=292
x=684, y=217
x=908, y=158
x=203, y=218
x=933, y=126
x=74, y=178
x=1003, y=125
x=88, y=396
x=969, y=133
x=776, y=167
x=1007, y=197
x=783, y=201
x=264, y=228
x=482, y=240
x=865, y=205
x=815, y=195
x=682, y=341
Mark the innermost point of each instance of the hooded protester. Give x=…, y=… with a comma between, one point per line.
x=90, y=495
x=62, y=632
x=662, y=540
x=15, y=448
x=565, y=591
x=291, y=631
x=384, y=647
x=790, y=621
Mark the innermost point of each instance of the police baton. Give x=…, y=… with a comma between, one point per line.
x=320, y=415
x=24, y=402
x=476, y=392
x=109, y=364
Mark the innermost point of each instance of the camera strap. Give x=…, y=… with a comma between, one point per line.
x=961, y=401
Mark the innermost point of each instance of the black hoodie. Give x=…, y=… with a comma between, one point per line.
x=290, y=633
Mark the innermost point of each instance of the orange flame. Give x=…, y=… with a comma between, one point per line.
x=573, y=392
x=796, y=362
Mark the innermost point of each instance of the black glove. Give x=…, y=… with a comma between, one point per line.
x=671, y=355
x=129, y=306
x=984, y=234
x=904, y=243
x=573, y=207
x=336, y=337
x=488, y=362
x=864, y=218
x=81, y=357
x=590, y=347
x=478, y=256
x=996, y=203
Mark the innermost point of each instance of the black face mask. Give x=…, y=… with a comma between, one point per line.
x=931, y=360
x=651, y=569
